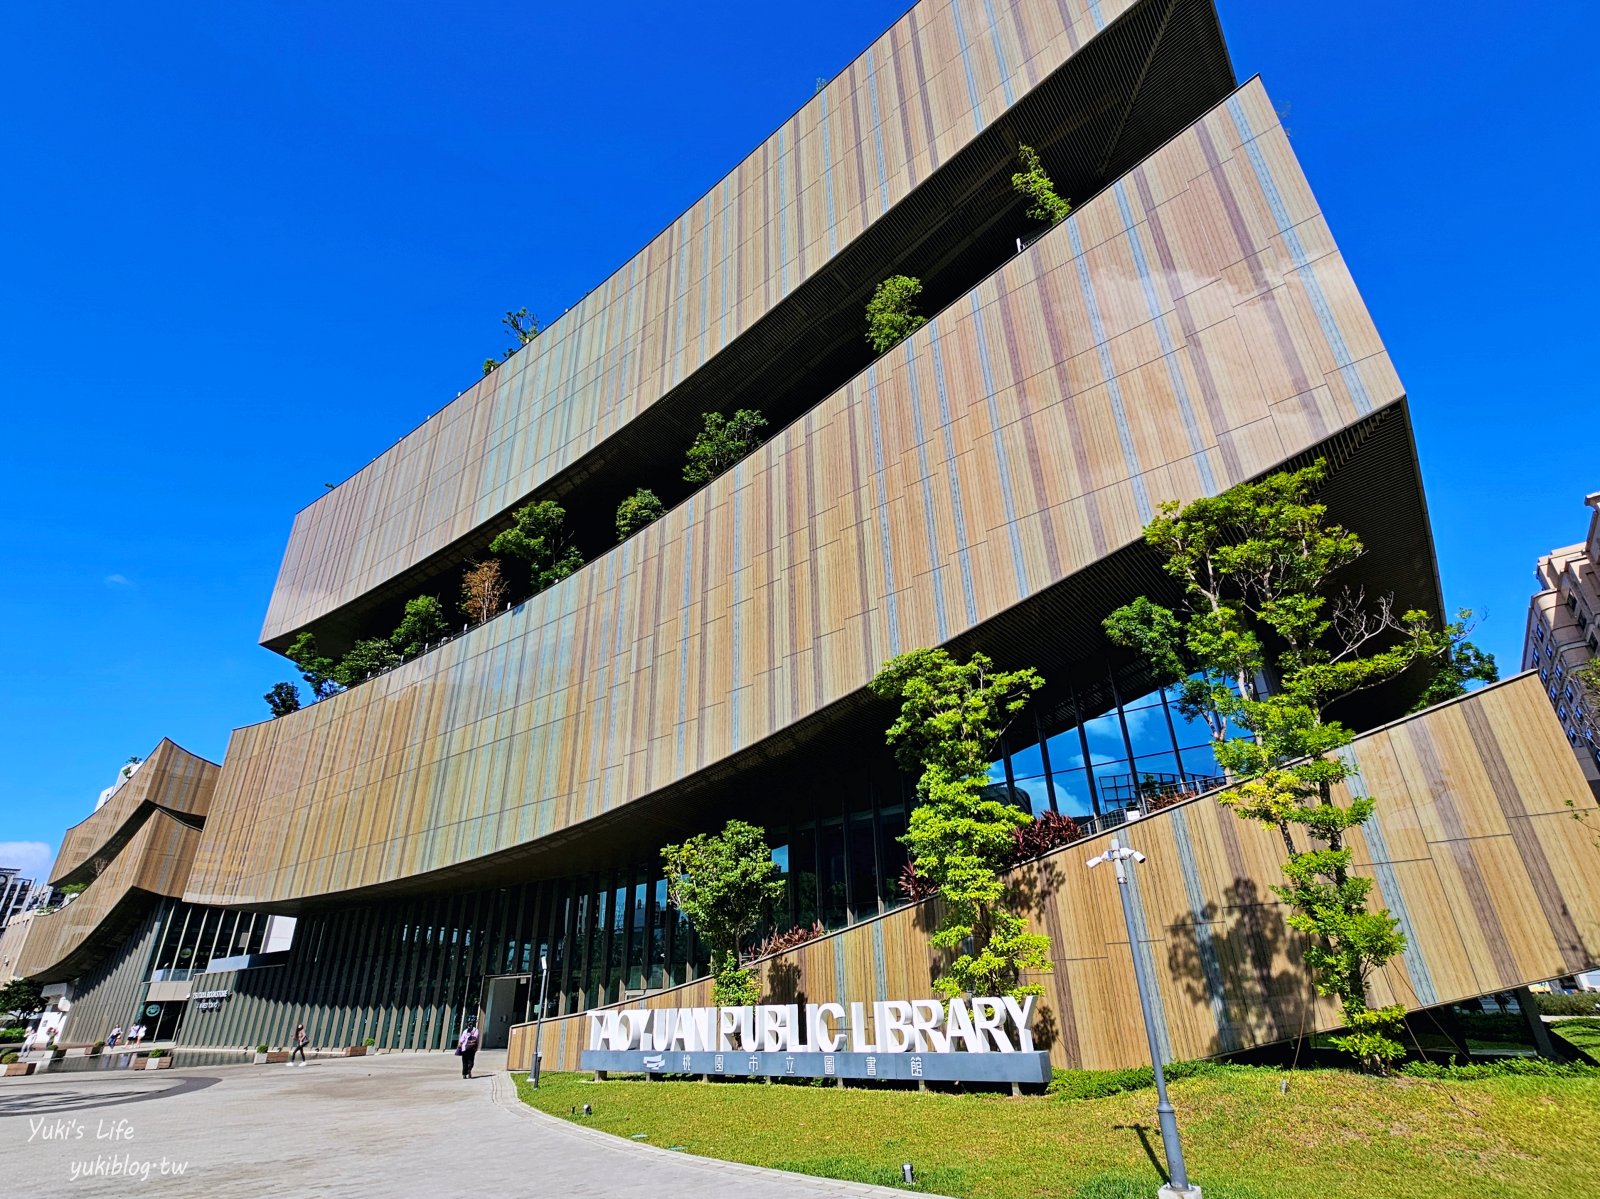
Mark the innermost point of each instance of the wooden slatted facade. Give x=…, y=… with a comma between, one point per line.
x=1473, y=846
x=57, y=946
x=1191, y=327
x=933, y=82
x=170, y=778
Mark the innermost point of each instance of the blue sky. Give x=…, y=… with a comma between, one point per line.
x=249, y=247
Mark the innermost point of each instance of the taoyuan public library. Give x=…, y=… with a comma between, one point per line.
x=499, y=800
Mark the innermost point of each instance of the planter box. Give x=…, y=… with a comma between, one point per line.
x=356, y=1051
x=158, y=1063
x=278, y=1057
x=261, y=1058
x=17, y=1069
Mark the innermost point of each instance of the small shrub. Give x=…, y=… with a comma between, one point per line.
x=892, y=312
x=369, y=1042
x=719, y=446
x=158, y=1053
x=796, y=936
x=641, y=508
x=1048, y=830
x=7, y=1059
x=96, y=1048
x=1033, y=183
x=13, y=1033
x=1585, y=1003
x=262, y=1048
x=916, y=887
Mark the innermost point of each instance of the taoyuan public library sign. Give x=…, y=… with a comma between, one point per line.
x=984, y=1039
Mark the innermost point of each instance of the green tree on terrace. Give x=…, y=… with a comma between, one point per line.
x=283, y=699
x=539, y=538
x=641, y=508
x=1459, y=665
x=368, y=657
x=951, y=717
x=1256, y=565
x=1032, y=182
x=522, y=325
x=892, y=312
x=316, y=670
x=20, y=998
x=723, y=442
x=423, y=623
x=723, y=882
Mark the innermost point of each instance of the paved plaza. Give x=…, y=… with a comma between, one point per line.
x=394, y=1125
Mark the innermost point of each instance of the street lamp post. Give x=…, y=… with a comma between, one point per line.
x=538, y=1020
x=1122, y=858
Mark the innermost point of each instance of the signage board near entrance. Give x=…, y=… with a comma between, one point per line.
x=984, y=1039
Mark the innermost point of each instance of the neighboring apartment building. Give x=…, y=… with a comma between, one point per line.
x=17, y=894
x=1564, y=634
x=501, y=799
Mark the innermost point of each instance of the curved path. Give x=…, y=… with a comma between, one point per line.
x=395, y=1126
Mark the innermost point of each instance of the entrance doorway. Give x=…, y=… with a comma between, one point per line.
x=505, y=1001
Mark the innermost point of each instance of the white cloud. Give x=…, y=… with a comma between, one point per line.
x=119, y=581
x=33, y=858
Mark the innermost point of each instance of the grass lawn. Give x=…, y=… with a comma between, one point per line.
x=1582, y=1032
x=1333, y=1134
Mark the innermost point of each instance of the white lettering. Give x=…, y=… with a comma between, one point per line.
x=1022, y=1016
x=858, y=1029
x=989, y=1016
x=960, y=1025
x=829, y=1039
x=894, y=1026
x=927, y=1015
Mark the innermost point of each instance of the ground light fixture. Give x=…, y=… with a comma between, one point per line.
x=1122, y=858
x=907, y=1174
x=538, y=1019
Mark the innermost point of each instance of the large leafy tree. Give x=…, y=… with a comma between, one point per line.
x=721, y=444
x=283, y=699
x=1256, y=568
x=641, y=508
x=367, y=657
x=723, y=882
x=892, y=312
x=1032, y=182
x=960, y=837
x=20, y=998
x=318, y=671
x=423, y=623
x=539, y=537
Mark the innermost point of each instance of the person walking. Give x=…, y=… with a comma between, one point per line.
x=467, y=1046
x=299, y=1041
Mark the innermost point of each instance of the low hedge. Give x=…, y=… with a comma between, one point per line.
x=1584, y=1003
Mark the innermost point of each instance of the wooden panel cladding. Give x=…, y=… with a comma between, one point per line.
x=1191, y=327
x=170, y=778
x=156, y=860
x=1473, y=848
x=919, y=94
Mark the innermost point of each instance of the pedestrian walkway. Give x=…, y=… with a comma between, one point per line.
x=394, y=1125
